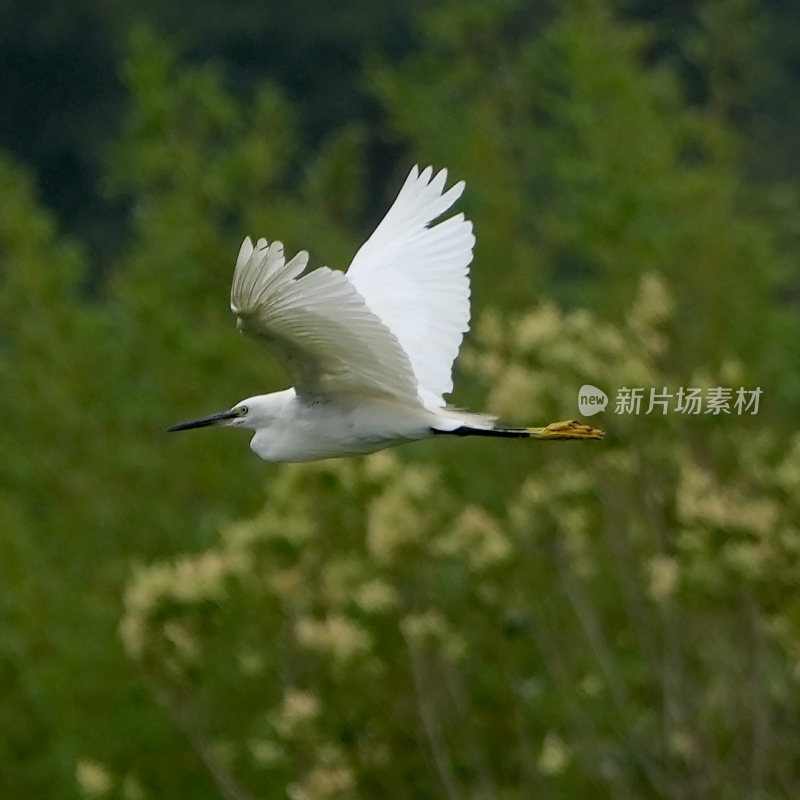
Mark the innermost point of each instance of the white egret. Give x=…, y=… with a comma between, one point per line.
x=370, y=350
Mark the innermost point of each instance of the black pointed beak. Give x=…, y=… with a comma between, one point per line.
x=204, y=422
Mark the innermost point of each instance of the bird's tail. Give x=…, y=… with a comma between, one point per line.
x=570, y=429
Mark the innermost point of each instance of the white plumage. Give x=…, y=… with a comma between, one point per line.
x=415, y=278
x=371, y=350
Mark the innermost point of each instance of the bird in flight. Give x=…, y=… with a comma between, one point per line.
x=370, y=350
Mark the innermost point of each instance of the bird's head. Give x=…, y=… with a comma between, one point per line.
x=235, y=417
x=254, y=412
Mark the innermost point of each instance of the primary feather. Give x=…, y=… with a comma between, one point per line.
x=415, y=277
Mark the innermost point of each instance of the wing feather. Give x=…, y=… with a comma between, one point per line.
x=318, y=325
x=414, y=276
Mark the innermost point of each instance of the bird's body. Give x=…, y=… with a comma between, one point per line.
x=370, y=350
x=292, y=428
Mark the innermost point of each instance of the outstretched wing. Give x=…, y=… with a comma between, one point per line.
x=415, y=277
x=318, y=326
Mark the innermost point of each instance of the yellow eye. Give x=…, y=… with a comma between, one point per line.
x=242, y=410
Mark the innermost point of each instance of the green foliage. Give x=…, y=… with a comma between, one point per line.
x=459, y=618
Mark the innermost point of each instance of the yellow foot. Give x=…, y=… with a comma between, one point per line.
x=571, y=429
